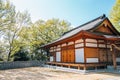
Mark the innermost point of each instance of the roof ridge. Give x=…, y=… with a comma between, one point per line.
x=100, y=17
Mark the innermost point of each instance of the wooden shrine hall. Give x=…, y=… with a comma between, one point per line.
x=94, y=44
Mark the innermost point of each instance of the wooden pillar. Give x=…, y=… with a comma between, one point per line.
x=84, y=41
x=98, y=50
x=84, y=67
x=78, y=67
x=61, y=52
x=114, y=58
x=106, y=50
x=74, y=53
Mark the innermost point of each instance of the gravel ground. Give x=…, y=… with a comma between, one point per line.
x=40, y=73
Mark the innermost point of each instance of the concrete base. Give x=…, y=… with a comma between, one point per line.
x=109, y=69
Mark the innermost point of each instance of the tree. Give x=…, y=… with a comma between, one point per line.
x=13, y=32
x=49, y=30
x=17, y=31
x=43, y=32
x=7, y=19
x=115, y=15
x=21, y=55
x=7, y=13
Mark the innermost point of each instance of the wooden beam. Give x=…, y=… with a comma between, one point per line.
x=114, y=58
x=106, y=50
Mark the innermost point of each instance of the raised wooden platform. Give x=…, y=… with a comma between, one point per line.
x=78, y=65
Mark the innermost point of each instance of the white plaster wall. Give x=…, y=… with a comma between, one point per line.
x=51, y=50
x=91, y=40
x=58, y=56
x=100, y=40
x=70, y=43
x=79, y=40
x=79, y=45
x=91, y=45
x=64, y=44
x=54, y=49
x=79, y=55
x=92, y=60
x=51, y=58
x=108, y=46
x=102, y=45
x=58, y=45
x=118, y=59
x=58, y=49
x=51, y=47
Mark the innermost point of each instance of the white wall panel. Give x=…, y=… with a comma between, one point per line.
x=79, y=41
x=92, y=60
x=91, y=40
x=51, y=50
x=58, y=56
x=79, y=55
x=58, y=49
x=101, y=41
x=108, y=46
x=51, y=58
x=58, y=45
x=79, y=45
x=64, y=44
x=102, y=45
x=118, y=59
x=91, y=44
x=51, y=47
x=70, y=43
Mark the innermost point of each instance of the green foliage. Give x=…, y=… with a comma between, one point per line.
x=12, y=36
x=40, y=33
x=21, y=55
x=38, y=54
x=17, y=30
x=7, y=20
x=115, y=15
x=47, y=31
x=7, y=13
x=1, y=59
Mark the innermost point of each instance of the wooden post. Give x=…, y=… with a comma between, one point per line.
x=114, y=58
x=78, y=67
x=85, y=67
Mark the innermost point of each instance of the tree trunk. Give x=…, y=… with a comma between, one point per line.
x=9, y=56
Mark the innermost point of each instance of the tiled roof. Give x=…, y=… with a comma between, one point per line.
x=86, y=26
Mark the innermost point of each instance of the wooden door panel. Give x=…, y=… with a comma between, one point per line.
x=103, y=55
x=64, y=55
x=68, y=54
x=71, y=55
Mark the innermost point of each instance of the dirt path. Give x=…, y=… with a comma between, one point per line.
x=38, y=73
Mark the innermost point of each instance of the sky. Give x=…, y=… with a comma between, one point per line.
x=76, y=12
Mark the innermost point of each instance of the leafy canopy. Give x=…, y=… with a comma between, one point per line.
x=115, y=15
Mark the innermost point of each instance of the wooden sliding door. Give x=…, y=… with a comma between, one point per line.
x=71, y=54
x=68, y=54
